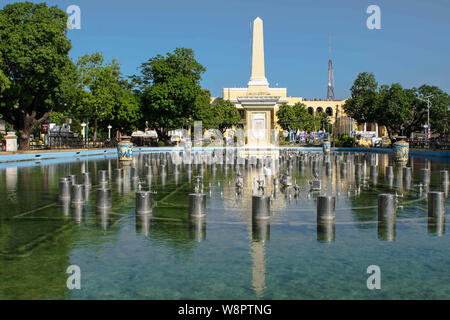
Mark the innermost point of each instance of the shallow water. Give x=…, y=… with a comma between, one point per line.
x=166, y=255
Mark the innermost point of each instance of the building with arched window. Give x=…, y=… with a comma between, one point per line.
x=329, y=111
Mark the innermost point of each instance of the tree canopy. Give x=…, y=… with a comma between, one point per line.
x=396, y=108
x=169, y=87
x=35, y=69
x=222, y=115
x=105, y=96
x=361, y=105
x=439, y=104
x=4, y=81
x=297, y=117
x=402, y=111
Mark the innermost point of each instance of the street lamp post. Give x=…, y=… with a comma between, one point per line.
x=335, y=125
x=109, y=132
x=83, y=133
x=427, y=130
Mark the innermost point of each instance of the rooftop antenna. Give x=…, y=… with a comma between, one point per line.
x=329, y=47
x=330, y=89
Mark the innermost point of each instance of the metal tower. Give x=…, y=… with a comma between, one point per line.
x=330, y=89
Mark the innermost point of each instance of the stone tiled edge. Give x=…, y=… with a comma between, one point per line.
x=37, y=156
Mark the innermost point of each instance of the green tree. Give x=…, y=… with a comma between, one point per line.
x=398, y=110
x=169, y=87
x=106, y=97
x=321, y=120
x=36, y=71
x=126, y=112
x=297, y=117
x=286, y=116
x=362, y=104
x=4, y=81
x=203, y=109
x=439, y=112
x=222, y=115
x=58, y=117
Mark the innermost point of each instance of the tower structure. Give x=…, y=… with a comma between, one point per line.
x=330, y=89
x=258, y=103
x=258, y=82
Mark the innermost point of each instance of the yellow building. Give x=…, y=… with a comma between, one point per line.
x=258, y=103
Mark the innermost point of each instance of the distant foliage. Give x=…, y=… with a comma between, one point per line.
x=402, y=111
x=105, y=96
x=297, y=117
x=222, y=115
x=169, y=87
x=345, y=141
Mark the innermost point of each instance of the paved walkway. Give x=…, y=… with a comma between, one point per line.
x=33, y=155
x=2, y=153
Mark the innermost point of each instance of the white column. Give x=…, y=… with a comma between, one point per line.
x=364, y=129
x=376, y=130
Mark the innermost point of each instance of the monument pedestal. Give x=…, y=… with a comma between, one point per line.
x=11, y=142
x=259, y=118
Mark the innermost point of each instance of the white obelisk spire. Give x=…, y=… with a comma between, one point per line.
x=258, y=81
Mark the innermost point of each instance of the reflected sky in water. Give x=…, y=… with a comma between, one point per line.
x=226, y=255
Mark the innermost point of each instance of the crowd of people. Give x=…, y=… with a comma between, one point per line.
x=307, y=137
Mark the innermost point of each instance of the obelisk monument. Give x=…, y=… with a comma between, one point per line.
x=258, y=83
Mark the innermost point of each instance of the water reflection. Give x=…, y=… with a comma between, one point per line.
x=197, y=229
x=65, y=205
x=103, y=218
x=169, y=227
x=176, y=175
x=386, y=229
x=119, y=186
x=143, y=223
x=77, y=212
x=178, y=235
x=126, y=183
x=260, y=230
x=163, y=178
x=325, y=230
x=374, y=175
x=11, y=178
x=398, y=177
x=390, y=181
x=444, y=188
x=436, y=225
x=259, y=268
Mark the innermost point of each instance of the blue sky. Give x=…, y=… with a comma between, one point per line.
x=411, y=48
